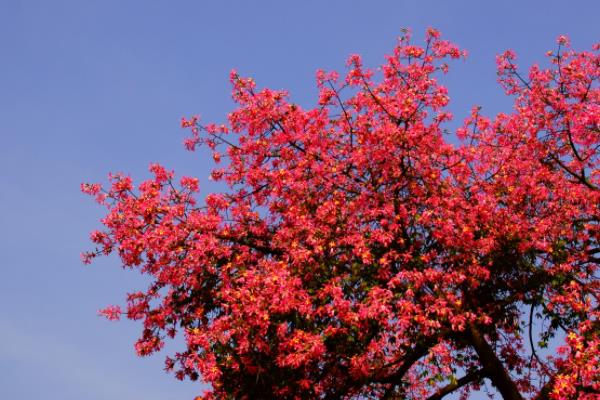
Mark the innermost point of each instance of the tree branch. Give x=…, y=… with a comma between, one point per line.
x=494, y=369
x=472, y=376
x=407, y=362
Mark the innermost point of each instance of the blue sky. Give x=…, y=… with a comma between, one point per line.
x=88, y=87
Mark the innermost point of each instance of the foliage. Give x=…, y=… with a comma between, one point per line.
x=358, y=253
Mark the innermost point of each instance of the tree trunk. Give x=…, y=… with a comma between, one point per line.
x=494, y=369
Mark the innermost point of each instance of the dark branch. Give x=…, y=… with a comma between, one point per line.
x=472, y=376
x=493, y=367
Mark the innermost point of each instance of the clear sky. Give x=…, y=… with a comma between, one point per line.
x=88, y=87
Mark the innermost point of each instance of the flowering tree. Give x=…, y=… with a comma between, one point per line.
x=359, y=254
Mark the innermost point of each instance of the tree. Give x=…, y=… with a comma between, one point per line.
x=358, y=253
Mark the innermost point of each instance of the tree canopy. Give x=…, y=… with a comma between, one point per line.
x=362, y=251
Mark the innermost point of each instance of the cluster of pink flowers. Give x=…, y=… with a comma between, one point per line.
x=359, y=254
